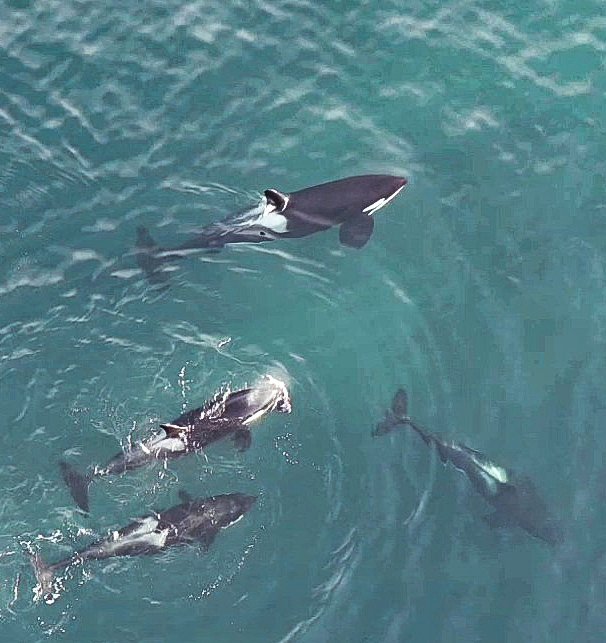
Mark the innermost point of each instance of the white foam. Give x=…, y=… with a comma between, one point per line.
x=272, y=220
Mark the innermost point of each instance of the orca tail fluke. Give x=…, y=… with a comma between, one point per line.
x=386, y=425
x=44, y=577
x=77, y=484
x=399, y=405
x=148, y=257
x=395, y=416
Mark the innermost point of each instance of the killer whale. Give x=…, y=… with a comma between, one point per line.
x=228, y=414
x=194, y=520
x=349, y=203
x=515, y=499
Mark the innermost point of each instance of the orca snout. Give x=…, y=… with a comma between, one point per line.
x=385, y=185
x=246, y=502
x=240, y=504
x=399, y=182
x=380, y=191
x=392, y=185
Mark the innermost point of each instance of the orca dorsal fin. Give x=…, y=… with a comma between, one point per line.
x=184, y=496
x=277, y=199
x=173, y=430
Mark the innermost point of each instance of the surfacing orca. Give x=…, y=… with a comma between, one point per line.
x=228, y=414
x=515, y=499
x=348, y=203
x=195, y=520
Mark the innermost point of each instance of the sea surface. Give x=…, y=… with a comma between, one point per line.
x=482, y=292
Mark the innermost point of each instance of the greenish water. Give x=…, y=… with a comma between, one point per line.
x=482, y=292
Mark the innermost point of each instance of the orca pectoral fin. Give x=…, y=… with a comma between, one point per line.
x=242, y=439
x=208, y=538
x=77, y=484
x=498, y=520
x=356, y=231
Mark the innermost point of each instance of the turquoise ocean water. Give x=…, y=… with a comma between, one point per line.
x=482, y=291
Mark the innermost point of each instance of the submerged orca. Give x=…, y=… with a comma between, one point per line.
x=228, y=414
x=515, y=499
x=348, y=203
x=195, y=520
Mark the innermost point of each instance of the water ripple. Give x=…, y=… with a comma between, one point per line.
x=481, y=293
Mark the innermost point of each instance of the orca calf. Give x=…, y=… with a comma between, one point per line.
x=348, y=203
x=229, y=414
x=515, y=499
x=195, y=520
